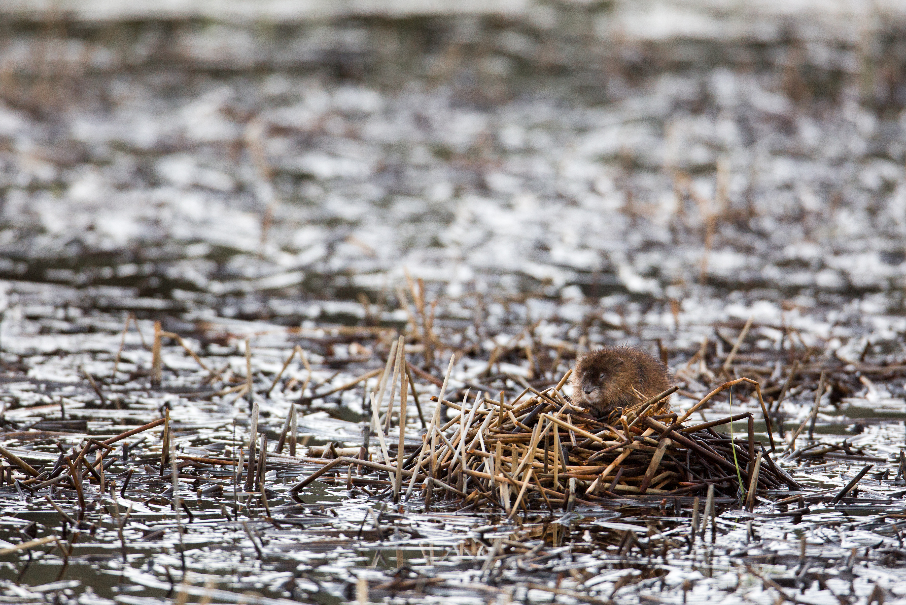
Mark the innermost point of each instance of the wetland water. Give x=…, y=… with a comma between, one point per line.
x=554, y=183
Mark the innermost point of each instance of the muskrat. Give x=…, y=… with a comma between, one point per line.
x=618, y=379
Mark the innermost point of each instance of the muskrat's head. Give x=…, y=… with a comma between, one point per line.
x=603, y=381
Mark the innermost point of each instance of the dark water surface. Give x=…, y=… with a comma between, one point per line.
x=555, y=184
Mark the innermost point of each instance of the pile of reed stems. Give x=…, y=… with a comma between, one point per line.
x=540, y=450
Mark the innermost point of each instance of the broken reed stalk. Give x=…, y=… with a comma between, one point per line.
x=427, y=336
x=97, y=389
x=849, y=486
x=814, y=413
x=189, y=350
x=165, y=442
x=418, y=406
x=655, y=463
x=710, y=513
x=176, y=503
x=250, y=389
x=753, y=484
x=376, y=426
x=786, y=385
x=742, y=488
x=253, y=443
x=397, y=485
x=429, y=436
x=385, y=376
x=742, y=336
x=343, y=387
x=28, y=545
x=397, y=369
x=345, y=460
x=297, y=350
x=643, y=410
x=156, y=362
x=281, y=441
x=261, y=469
x=25, y=466
x=76, y=477
x=693, y=530
x=293, y=430
x=706, y=425
x=525, y=484
x=119, y=352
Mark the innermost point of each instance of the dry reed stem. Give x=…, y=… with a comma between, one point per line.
x=189, y=350
x=750, y=426
x=849, y=486
x=376, y=426
x=397, y=485
x=391, y=470
x=253, y=444
x=429, y=340
x=28, y=545
x=96, y=388
x=292, y=431
x=462, y=442
x=156, y=362
x=281, y=441
x=76, y=477
x=709, y=511
x=652, y=402
x=165, y=442
x=423, y=374
x=129, y=317
x=525, y=484
x=397, y=369
x=296, y=349
x=250, y=391
x=382, y=383
x=563, y=380
x=603, y=475
x=655, y=463
x=814, y=413
x=706, y=425
x=724, y=387
x=25, y=466
x=738, y=343
x=530, y=450
x=418, y=405
x=786, y=385
x=429, y=436
x=343, y=387
x=753, y=484
x=558, y=452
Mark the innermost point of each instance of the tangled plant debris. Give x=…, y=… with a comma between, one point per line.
x=168, y=449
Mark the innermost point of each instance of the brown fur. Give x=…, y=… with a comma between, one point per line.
x=618, y=379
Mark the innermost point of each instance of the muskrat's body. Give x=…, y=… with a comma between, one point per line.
x=618, y=379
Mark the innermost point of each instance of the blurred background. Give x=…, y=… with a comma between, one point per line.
x=682, y=155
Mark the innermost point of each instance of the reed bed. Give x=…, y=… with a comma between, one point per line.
x=539, y=450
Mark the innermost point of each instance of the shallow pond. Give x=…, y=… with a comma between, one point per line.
x=511, y=191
